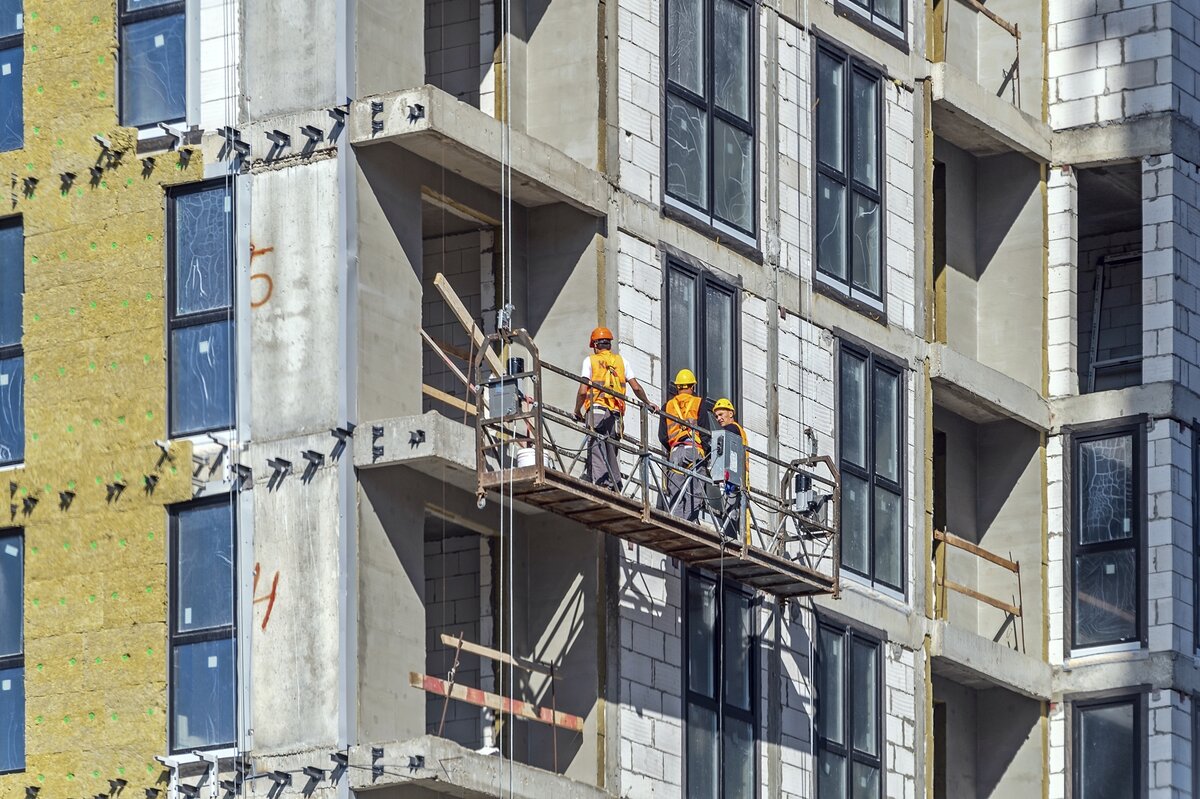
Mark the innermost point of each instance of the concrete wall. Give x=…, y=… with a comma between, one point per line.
x=290, y=56
x=961, y=274
x=562, y=76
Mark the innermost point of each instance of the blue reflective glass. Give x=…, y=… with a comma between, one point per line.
x=201, y=378
x=204, y=568
x=12, y=410
x=12, y=283
x=203, y=270
x=11, y=595
x=12, y=114
x=12, y=719
x=11, y=19
x=153, y=74
x=203, y=698
x=138, y=5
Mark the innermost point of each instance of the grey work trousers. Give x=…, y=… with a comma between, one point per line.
x=684, y=491
x=603, y=466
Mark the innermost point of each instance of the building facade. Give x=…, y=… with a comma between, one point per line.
x=249, y=257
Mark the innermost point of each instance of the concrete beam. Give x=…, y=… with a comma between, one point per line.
x=982, y=394
x=452, y=770
x=429, y=443
x=430, y=123
x=978, y=662
x=982, y=123
x=1128, y=140
x=1157, y=400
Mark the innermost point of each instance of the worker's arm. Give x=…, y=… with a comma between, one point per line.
x=662, y=433
x=641, y=394
x=580, y=396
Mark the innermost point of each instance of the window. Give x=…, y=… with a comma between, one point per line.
x=203, y=599
x=721, y=689
x=1106, y=558
x=871, y=442
x=709, y=115
x=849, y=177
x=887, y=15
x=12, y=651
x=200, y=309
x=12, y=357
x=1107, y=748
x=849, y=699
x=12, y=61
x=702, y=330
x=153, y=65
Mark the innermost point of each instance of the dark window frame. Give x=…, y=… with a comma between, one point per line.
x=176, y=321
x=707, y=218
x=16, y=350
x=17, y=661
x=126, y=17
x=849, y=634
x=844, y=290
x=869, y=19
x=704, y=279
x=875, y=361
x=1080, y=705
x=219, y=633
x=16, y=41
x=718, y=705
x=1137, y=431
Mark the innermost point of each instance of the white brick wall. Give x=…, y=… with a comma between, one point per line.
x=452, y=606
x=220, y=89
x=900, y=244
x=638, y=97
x=1062, y=197
x=452, y=47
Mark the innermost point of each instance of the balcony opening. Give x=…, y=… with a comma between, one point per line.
x=453, y=45
x=995, y=46
x=1109, y=310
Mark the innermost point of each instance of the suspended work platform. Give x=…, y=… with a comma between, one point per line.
x=780, y=538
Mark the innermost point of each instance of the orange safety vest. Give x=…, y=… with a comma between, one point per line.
x=608, y=369
x=686, y=407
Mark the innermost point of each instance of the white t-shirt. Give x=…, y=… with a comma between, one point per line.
x=586, y=369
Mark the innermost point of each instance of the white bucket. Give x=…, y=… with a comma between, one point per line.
x=526, y=456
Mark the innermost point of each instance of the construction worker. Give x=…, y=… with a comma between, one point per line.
x=724, y=412
x=685, y=446
x=602, y=410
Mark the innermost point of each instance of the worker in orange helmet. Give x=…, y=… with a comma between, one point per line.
x=724, y=412
x=685, y=445
x=602, y=408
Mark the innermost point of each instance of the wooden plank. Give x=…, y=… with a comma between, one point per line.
x=994, y=17
x=975, y=549
x=437, y=347
x=449, y=399
x=984, y=598
x=464, y=318
x=494, y=654
x=514, y=707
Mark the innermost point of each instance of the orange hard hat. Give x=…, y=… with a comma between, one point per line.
x=599, y=334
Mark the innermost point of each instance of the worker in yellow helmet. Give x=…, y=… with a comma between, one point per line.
x=602, y=409
x=685, y=445
x=724, y=412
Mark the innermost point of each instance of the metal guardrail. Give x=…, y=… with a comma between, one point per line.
x=795, y=518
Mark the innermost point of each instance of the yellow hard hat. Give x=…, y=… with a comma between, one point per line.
x=685, y=378
x=724, y=405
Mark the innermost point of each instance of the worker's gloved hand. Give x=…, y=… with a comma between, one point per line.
x=578, y=416
x=653, y=408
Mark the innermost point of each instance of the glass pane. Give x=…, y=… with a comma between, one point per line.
x=12, y=110
x=685, y=43
x=1107, y=749
x=717, y=379
x=204, y=568
x=864, y=783
x=138, y=5
x=203, y=261
x=887, y=425
x=702, y=621
x=11, y=19
x=731, y=57
x=733, y=176
x=738, y=758
x=889, y=10
x=830, y=695
x=153, y=76
x=865, y=250
x=888, y=543
x=12, y=282
x=856, y=505
x=1105, y=598
x=1106, y=489
x=831, y=776
x=12, y=719
x=864, y=694
x=681, y=310
x=865, y=115
x=738, y=639
x=687, y=152
x=702, y=758
x=201, y=378
x=853, y=403
x=12, y=610
x=830, y=142
x=831, y=228
x=12, y=410
x=203, y=696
